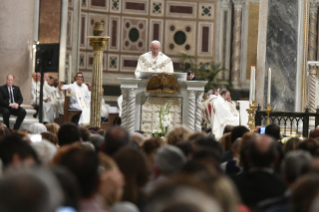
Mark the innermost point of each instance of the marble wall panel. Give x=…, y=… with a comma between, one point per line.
x=99, y=5
x=205, y=39
x=281, y=53
x=113, y=62
x=185, y=10
x=128, y=63
x=206, y=11
x=134, y=35
x=84, y=4
x=83, y=31
x=115, y=6
x=69, y=29
x=156, y=30
x=157, y=8
x=135, y=7
x=82, y=60
x=180, y=37
x=115, y=33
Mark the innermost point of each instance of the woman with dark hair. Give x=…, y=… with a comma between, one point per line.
x=132, y=164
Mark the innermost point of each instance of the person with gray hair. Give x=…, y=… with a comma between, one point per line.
x=37, y=128
x=168, y=159
x=294, y=165
x=154, y=61
x=29, y=190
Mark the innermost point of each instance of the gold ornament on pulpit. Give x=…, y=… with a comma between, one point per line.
x=165, y=83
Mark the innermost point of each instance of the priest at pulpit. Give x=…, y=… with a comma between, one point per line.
x=154, y=61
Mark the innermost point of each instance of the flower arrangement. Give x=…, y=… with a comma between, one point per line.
x=163, y=121
x=285, y=139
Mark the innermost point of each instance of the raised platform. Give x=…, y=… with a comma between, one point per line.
x=28, y=120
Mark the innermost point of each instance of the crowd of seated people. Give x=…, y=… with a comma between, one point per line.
x=52, y=168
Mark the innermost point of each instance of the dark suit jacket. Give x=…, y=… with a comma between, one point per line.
x=4, y=95
x=195, y=78
x=256, y=186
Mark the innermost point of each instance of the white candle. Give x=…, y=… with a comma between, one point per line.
x=269, y=86
x=251, y=85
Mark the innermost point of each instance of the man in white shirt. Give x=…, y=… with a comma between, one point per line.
x=223, y=115
x=154, y=61
x=80, y=98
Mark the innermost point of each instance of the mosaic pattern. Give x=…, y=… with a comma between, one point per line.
x=134, y=35
x=206, y=11
x=181, y=36
x=99, y=5
x=135, y=7
x=150, y=110
x=82, y=60
x=113, y=62
x=115, y=6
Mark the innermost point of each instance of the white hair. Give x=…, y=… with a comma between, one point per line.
x=45, y=149
x=169, y=159
x=124, y=207
x=155, y=41
x=37, y=128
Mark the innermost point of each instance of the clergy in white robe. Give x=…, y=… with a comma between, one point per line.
x=79, y=99
x=49, y=110
x=154, y=61
x=59, y=98
x=223, y=115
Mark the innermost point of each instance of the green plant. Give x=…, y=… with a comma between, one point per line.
x=208, y=71
x=163, y=121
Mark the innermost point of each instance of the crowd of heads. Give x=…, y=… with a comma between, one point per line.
x=51, y=168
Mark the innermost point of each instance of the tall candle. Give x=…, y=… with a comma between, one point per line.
x=269, y=86
x=251, y=85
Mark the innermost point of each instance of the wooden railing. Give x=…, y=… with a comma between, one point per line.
x=290, y=120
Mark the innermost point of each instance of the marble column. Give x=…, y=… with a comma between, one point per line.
x=98, y=43
x=313, y=32
x=199, y=118
x=281, y=54
x=129, y=87
x=191, y=110
x=131, y=110
x=312, y=79
x=236, y=46
x=124, y=107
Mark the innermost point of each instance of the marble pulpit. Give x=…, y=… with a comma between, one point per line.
x=140, y=108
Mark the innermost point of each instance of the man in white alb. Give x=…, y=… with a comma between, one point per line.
x=154, y=61
x=49, y=108
x=81, y=99
x=223, y=114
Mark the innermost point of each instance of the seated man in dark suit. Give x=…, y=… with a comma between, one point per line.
x=260, y=182
x=10, y=101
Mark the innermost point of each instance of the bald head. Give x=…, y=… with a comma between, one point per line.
x=155, y=48
x=263, y=151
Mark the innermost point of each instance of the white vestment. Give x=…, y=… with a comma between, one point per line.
x=223, y=116
x=59, y=97
x=148, y=63
x=80, y=100
x=49, y=108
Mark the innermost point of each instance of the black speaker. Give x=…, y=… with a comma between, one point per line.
x=47, y=58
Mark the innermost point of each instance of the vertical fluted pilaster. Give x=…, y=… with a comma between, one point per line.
x=131, y=110
x=313, y=32
x=312, y=87
x=124, y=108
x=96, y=92
x=191, y=110
x=236, y=47
x=198, y=123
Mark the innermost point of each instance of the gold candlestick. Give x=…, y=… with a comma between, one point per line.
x=268, y=111
x=251, y=116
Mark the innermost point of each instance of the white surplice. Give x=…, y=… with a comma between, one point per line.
x=80, y=101
x=49, y=109
x=223, y=116
x=148, y=63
